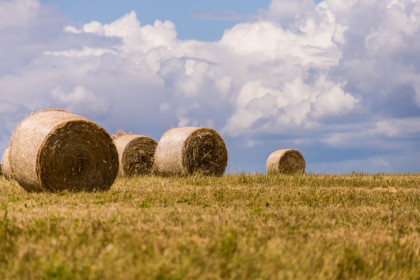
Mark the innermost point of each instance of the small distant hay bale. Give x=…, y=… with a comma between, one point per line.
x=5, y=165
x=286, y=161
x=135, y=153
x=187, y=150
x=54, y=150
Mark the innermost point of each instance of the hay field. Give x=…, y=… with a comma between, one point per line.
x=232, y=227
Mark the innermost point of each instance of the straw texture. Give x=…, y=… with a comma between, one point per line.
x=187, y=150
x=5, y=165
x=135, y=153
x=286, y=161
x=54, y=150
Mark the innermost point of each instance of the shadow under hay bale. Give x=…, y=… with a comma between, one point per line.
x=135, y=153
x=5, y=165
x=187, y=150
x=54, y=150
x=286, y=161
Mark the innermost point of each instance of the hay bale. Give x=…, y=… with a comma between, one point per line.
x=5, y=165
x=187, y=150
x=135, y=153
x=120, y=133
x=286, y=161
x=54, y=150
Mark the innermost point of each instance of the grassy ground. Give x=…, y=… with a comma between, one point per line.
x=237, y=226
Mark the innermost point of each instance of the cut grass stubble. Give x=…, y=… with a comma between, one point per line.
x=235, y=226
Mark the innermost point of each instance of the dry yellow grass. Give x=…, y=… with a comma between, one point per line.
x=231, y=227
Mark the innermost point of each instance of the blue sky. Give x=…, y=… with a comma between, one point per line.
x=338, y=80
x=190, y=17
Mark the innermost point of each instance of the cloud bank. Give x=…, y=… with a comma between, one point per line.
x=338, y=80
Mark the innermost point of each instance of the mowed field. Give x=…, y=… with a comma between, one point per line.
x=244, y=226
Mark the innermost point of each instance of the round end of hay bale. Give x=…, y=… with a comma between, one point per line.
x=136, y=154
x=54, y=150
x=205, y=152
x=79, y=156
x=286, y=161
x=5, y=165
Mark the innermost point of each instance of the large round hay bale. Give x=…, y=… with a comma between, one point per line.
x=54, y=150
x=135, y=153
x=187, y=150
x=5, y=165
x=286, y=161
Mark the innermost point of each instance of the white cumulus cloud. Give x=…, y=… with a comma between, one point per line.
x=341, y=74
x=80, y=99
